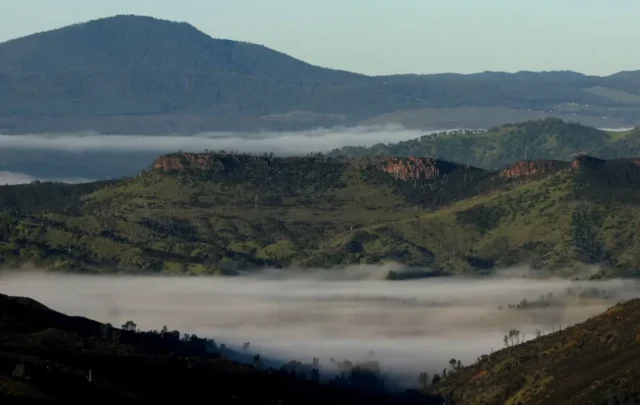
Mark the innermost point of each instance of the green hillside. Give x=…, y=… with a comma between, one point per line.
x=497, y=147
x=220, y=213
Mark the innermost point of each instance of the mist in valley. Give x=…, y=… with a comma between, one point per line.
x=65, y=157
x=11, y=178
x=408, y=326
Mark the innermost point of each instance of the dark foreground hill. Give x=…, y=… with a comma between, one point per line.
x=48, y=355
x=593, y=363
x=219, y=213
x=132, y=74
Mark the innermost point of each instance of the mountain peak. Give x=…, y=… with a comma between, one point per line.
x=140, y=43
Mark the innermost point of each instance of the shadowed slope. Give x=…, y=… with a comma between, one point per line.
x=592, y=363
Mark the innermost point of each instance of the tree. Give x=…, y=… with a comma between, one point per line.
x=436, y=379
x=130, y=326
x=257, y=362
x=423, y=378
x=315, y=375
x=452, y=364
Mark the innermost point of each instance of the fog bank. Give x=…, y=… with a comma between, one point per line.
x=280, y=143
x=11, y=178
x=411, y=326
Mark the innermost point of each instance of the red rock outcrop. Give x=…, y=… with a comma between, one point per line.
x=183, y=161
x=527, y=168
x=411, y=168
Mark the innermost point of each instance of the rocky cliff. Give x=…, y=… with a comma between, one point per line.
x=182, y=161
x=414, y=168
x=528, y=168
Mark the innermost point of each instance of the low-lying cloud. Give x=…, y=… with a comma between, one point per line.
x=411, y=326
x=12, y=178
x=280, y=143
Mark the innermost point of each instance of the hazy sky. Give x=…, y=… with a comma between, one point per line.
x=389, y=36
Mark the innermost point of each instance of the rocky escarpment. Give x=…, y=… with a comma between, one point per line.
x=182, y=161
x=527, y=168
x=414, y=168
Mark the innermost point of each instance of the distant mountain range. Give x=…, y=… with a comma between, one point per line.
x=132, y=74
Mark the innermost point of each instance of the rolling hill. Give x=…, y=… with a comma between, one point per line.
x=497, y=147
x=47, y=355
x=222, y=213
x=592, y=363
x=135, y=74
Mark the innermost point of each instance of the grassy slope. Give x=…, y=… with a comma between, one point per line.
x=311, y=212
x=590, y=363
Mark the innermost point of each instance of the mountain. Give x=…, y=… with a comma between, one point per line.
x=145, y=43
x=222, y=213
x=497, y=147
x=134, y=74
x=47, y=355
x=592, y=363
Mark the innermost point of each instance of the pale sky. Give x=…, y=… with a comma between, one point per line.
x=388, y=36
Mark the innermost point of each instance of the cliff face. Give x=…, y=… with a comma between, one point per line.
x=527, y=168
x=179, y=162
x=411, y=168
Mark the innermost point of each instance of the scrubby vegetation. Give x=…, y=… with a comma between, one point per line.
x=221, y=213
x=592, y=363
x=498, y=147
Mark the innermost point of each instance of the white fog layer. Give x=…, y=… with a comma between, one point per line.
x=12, y=178
x=280, y=143
x=412, y=326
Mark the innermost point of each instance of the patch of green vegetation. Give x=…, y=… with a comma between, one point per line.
x=495, y=148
